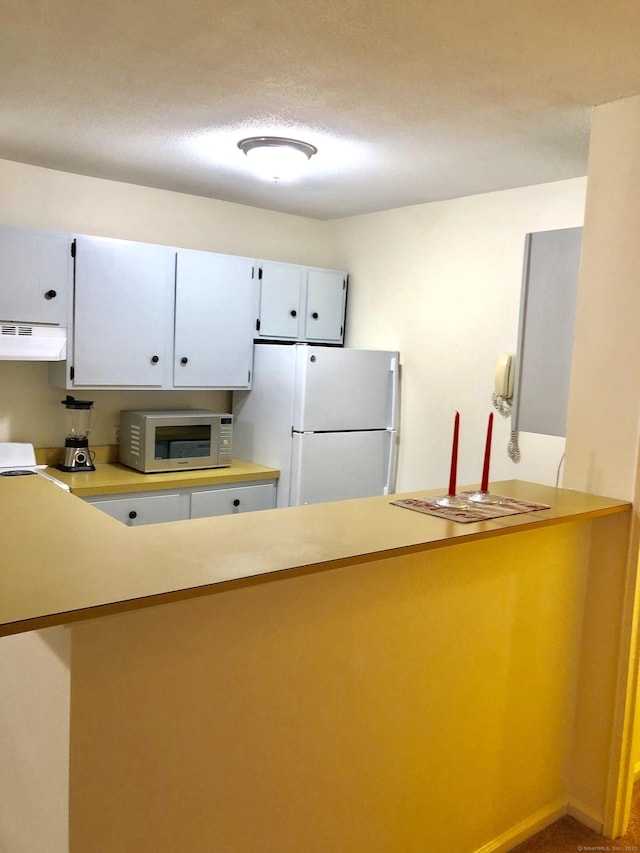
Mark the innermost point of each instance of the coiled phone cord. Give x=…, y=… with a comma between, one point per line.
x=503, y=406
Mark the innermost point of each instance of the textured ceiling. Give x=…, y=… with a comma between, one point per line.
x=407, y=102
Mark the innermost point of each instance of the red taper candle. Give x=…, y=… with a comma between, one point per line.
x=454, y=455
x=484, y=487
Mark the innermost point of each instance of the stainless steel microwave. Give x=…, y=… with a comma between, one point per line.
x=175, y=440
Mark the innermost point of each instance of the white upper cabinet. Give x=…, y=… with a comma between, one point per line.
x=326, y=300
x=34, y=275
x=213, y=321
x=149, y=316
x=123, y=314
x=281, y=292
x=299, y=303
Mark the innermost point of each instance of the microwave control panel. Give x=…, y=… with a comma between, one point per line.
x=225, y=440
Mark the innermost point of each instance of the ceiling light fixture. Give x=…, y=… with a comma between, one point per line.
x=277, y=158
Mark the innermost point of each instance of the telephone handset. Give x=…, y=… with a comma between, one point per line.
x=503, y=398
x=503, y=383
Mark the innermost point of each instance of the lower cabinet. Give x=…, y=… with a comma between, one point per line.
x=225, y=500
x=201, y=502
x=144, y=509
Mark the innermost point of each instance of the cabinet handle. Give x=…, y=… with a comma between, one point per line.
x=236, y=502
x=315, y=315
x=133, y=514
x=184, y=360
x=50, y=294
x=294, y=313
x=155, y=359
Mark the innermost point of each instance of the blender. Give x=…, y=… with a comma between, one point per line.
x=77, y=456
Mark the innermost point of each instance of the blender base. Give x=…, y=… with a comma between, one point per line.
x=71, y=469
x=77, y=457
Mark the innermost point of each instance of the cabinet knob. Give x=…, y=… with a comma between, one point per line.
x=133, y=514
x=184, y=360
x=315, y=315
x=236, y=502
x=294, y=313
x=155, y=359
x=50, y=294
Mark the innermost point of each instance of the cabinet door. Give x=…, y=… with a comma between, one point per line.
x=147, y=509
x=213, y=321
x=326, y=296
x=232, y=499
x=545, y=336
x=34, y=275
x=281, y=300
x=123, y=313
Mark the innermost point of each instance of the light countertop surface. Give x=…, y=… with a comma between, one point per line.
x=64, y=560
x=112, y=478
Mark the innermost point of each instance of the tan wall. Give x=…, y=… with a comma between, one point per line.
x=32, y=412
x=43, y=198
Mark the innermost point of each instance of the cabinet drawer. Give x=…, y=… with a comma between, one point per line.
x=227, y=500
x=148, y=509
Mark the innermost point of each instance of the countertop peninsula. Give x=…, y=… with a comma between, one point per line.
x=110, y=477
x=63, y=560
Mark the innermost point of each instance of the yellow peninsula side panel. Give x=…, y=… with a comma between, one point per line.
x=413, y=703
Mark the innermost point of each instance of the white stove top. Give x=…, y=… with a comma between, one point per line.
x=18, y=459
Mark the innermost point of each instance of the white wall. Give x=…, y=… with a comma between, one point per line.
x=441, y=283
x=604, y=403
x=34, y=741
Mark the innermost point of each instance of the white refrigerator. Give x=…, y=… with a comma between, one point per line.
x=327, y=417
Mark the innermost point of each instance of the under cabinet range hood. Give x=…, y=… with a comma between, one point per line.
x=30, y=342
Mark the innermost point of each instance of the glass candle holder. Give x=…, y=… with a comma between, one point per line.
x=481, y=497
x=452, y=501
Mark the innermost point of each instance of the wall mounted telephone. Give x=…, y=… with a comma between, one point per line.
x=503, y=398
x=503, y=384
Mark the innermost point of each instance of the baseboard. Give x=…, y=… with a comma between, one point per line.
x=525, y=828
x=585, y=815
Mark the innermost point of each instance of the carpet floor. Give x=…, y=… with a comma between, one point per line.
x=569, y=836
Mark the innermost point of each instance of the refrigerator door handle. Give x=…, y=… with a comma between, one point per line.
x=392, y=467
x=395, y=389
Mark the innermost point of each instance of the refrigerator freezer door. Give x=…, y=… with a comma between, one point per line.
x=339, y=466
x=344, y=389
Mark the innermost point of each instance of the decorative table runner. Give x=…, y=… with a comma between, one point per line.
x=474, y=511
